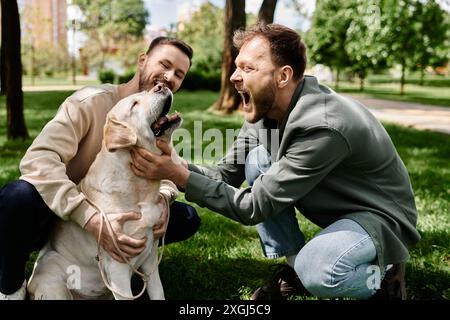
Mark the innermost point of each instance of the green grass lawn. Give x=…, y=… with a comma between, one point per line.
x=439, y=96
x=224, y=260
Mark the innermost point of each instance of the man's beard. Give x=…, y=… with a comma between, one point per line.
x=264, y=102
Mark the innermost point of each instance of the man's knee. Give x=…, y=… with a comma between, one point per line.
x=22, y=206
x=18, y=192
x=314, y=267
x=18, y=200
x=193, y=220
x=311, y=274
x=327, y=275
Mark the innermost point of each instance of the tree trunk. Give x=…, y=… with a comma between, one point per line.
x=402, y=79
x=2, y=71
x=422, y=75
x=103, y=59
x=74, y=69
x=361, y=81
x=14, y=96
x=2, y=62
x=267, y=11
x=33, y=64
x=229, y=100
x=338, y=73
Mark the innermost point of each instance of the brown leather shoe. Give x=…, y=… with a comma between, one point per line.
x=283, y=284
x=393, y=285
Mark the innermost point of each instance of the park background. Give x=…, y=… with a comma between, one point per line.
x=394, y=50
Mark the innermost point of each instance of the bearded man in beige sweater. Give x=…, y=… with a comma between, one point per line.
x=61, y=155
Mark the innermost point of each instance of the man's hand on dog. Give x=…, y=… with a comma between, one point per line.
x=129, y=246
x=168, y=165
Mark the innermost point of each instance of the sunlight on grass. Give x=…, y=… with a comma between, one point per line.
x=439, y=96
x=433, y=215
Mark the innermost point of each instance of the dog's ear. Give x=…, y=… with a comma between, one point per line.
x=118, y=135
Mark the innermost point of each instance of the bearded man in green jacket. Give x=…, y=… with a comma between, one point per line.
x=333, y=161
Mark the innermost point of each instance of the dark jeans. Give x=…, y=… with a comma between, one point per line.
x=26, y=221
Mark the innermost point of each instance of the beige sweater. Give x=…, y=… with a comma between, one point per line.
x=62, y=153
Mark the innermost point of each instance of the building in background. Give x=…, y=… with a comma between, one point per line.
x=44, y=23
x=44, y=30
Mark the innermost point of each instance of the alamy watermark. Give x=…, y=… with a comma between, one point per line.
x=374, y=279
x=74, y=277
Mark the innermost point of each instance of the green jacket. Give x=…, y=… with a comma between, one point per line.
x=335, y=160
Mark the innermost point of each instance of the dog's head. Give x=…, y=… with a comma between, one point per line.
x=139, y=119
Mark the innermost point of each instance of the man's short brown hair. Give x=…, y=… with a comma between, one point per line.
x=286, y=45
x=183, y=46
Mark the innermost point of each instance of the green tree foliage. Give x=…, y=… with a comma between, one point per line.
x=328, y=33
x=204, y=32
x=432, y=49
x=365, y=38
x=403, y=21
x=48, y=62
x=371, y=35
x=110, y=25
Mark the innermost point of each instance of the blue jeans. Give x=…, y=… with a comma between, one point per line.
x=340, y=261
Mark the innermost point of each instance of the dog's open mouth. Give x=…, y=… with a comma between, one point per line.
x=165, y=122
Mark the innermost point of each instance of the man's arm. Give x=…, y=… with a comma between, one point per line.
x=44, y=164
x=307, y=161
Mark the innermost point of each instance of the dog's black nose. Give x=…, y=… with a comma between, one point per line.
x=159, y=87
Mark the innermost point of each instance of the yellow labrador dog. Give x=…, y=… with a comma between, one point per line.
x=66, y=267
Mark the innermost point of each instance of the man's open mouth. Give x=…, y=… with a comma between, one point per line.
x=245, y=96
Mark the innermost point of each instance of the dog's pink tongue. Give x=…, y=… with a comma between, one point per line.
x=158, y=123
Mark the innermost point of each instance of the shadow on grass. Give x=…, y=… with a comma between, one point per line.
x=428, y=271
x=427, y=283
x=407, y=138
x=432, y=241
x=185, y=276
